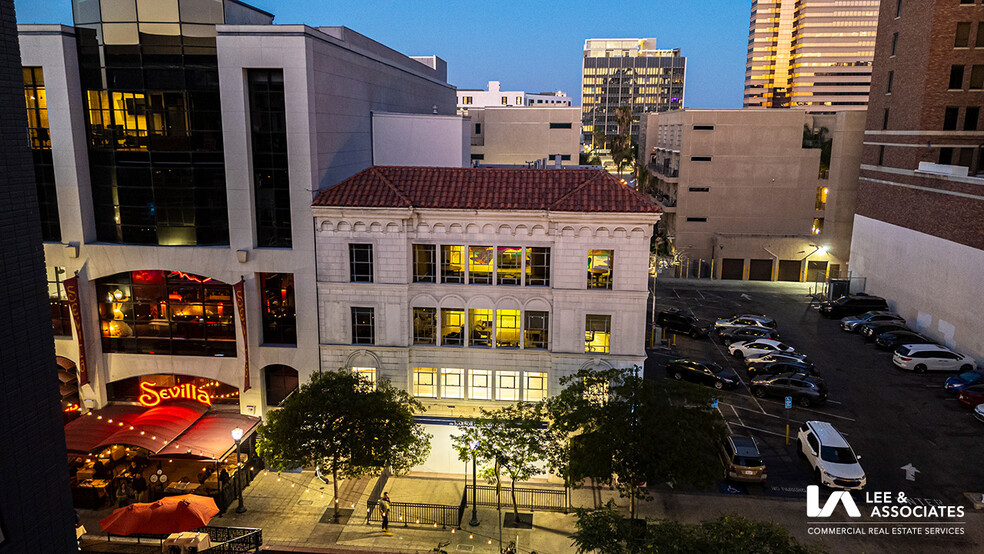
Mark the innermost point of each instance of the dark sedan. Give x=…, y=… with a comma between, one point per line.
x=871, y=330
x=805, y=390
x=776, y=368
x=735, y=334
x=890, y=340
x=708, y=373
x=971, y=397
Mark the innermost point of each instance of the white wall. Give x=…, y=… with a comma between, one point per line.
x=420, y=140
x=933, y=283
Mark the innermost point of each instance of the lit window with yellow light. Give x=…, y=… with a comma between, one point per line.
x=597, y=333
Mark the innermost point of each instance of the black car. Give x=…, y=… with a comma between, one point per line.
x=891, y=340
x=776, y=368
x=708, y=373
x=871, y=330
x=805, y=389
x=852, y=305
x=735, y=334
x=685, y=324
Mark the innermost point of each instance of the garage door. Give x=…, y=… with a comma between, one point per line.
x=789, y=270
x=732, y=268
x=760, y=270
x=816, y=271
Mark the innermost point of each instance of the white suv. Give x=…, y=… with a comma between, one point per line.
x=931, y=357
x=834, y=462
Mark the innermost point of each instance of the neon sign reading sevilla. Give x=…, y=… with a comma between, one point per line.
x=152, y=395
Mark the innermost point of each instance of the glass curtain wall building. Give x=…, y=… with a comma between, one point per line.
x=810, y=54
x=627, y=73
x=151, y=90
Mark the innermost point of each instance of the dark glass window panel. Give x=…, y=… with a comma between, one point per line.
x=973, y=113
x=962, y=35
x=281, y=381
x=278, y=309
x=360, y=263
x=35, y=99
x=424, y=263
x=268, y=121
x=537, y=329
x=956, y=77
x=538, y=267
x=425, y=325
x=950, y=115
x=363, y=326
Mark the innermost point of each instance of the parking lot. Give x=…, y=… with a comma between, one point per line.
x=891, y=418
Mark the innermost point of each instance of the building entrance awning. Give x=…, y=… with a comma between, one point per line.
x=210, y=438
x=84, y=434
x=156, y=427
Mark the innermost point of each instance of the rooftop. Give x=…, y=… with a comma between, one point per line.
x=562, y=190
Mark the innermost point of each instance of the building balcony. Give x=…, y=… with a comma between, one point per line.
x=665, y=171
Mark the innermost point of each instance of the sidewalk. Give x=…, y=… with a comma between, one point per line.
x=298, y=519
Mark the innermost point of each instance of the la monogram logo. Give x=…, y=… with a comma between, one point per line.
x=838, y=497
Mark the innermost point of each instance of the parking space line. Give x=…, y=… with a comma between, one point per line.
x=702, y=297
x=763, y=431
x=733, y=407
x=814, y=411
x=726, y=424
x=736, y=414
x=677, y=293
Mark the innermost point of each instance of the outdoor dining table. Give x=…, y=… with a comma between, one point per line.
x=180, y=488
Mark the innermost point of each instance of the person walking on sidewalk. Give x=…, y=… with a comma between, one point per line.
x=384, y=508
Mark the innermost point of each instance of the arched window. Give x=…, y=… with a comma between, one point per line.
x=281, y=381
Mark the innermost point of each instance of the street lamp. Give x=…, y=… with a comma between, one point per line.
x=474, y=520
x=237, y=435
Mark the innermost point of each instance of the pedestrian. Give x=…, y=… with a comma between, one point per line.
x=384, y=509
x=139, y=486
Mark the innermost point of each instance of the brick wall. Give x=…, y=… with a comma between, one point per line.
x=35, y=502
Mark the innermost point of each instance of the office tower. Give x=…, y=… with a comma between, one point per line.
x=810, y=54
x=919, y=228
x=632, y=73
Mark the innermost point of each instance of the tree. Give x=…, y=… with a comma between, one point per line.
x=616, y=428
x=339, y=422
x=623, y=148
x=509, y=438
x=606, y=531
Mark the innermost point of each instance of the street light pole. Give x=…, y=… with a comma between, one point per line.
x=237, y=435
x=474, y=518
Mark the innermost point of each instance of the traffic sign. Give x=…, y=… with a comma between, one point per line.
x=789, y=401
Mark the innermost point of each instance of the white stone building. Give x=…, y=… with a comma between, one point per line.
x=470, y=287
x=478, y=98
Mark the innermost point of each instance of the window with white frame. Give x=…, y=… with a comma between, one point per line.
x=452, y=383
x=425, y=382
x=507, y=385
x=366, y=373
x=480, y=384
x=534, y=386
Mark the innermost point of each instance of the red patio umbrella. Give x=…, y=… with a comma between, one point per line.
x=171, y=514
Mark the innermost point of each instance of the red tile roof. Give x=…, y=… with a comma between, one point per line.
x=563, y=190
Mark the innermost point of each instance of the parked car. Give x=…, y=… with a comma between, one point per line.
x=979, y=412
x=851, y=322
x=852, y=305
x=682, y=323
x=744, y=320
x=742, y=460
x=805, y=389
x=890, y=340
x=931, y=357
x=778, y=357
x=833, y=460
x=959, y=382
x=871, y=330
x=757, y=347
x=971, y=397
x=775, y=368
x=708, y=373
x=735, y=334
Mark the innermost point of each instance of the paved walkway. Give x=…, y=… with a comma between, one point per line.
x=294, y=511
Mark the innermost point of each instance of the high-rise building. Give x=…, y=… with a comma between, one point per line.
x=813, y=54
x=628, y=72
x=919, y=228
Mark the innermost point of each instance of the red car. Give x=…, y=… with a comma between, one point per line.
x=971, y=396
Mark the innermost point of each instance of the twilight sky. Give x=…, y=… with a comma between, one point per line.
x=531, y=46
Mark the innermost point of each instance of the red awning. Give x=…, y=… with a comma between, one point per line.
x=158, y=426
x=211, y=436
x=84, y=434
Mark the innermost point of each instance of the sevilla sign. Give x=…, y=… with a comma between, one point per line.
x=153, y=395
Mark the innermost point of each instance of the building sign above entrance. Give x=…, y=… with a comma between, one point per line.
x=152, y=395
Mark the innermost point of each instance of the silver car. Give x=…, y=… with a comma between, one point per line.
x=744, y=320
x=851, y=323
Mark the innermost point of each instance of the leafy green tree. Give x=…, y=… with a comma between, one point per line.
x=509, y=438
x=342, y=424
x=622, y=147
x=616, y=428
x=606, y=531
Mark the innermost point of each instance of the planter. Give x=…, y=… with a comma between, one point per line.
x=525, y=520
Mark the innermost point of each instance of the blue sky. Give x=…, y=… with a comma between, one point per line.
x=532, y=46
